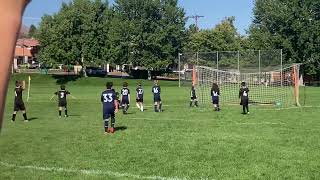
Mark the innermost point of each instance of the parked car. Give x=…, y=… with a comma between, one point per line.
x=96, y=71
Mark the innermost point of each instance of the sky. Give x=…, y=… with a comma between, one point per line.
x=213, y=11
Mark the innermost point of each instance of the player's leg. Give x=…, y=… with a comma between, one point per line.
x=60, y=111
x=65, y=111
x=191, y=101
x=106, y=116
x=113, y=122
x=160, y=106
x=155, y=106
x=244, y=109
x=141, y=106
x=14, y=114
x=196, y=102
x=24, y=113
x=247, y=107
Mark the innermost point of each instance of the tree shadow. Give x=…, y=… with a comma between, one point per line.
x=63, y=79
x=121, y=128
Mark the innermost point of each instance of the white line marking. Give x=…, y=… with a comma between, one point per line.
x=90, y=172
x=262, y=123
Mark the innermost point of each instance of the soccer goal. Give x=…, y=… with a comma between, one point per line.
x=270, y=81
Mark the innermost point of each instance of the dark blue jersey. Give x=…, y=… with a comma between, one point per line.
x=107, y=98
x=139, y=92
x=156, y=90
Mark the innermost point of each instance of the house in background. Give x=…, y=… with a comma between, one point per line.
x=25, y=53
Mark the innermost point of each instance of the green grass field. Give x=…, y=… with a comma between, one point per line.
x=179, y=143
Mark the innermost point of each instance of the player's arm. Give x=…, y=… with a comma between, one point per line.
x=129, y=96
x=240, y=92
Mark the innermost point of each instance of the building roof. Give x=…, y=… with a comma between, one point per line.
x=27, y=42
x=23, y=52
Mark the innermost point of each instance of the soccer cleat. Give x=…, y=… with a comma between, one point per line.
x=26, y=121
x=111, y=130
x=66, y=116
x=12, y=121
x=248, y=112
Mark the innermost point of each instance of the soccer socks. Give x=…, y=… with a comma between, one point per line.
x=141, y=107
x=155, y=108
x=14, y=117
x=247, y=107
x=160, y=107
x=196, y=103
x=66, y=113
x=106, y=125
x=113, y=122
x=59, y=113
x=25, y=116
x=244, y=109
x=190, y=103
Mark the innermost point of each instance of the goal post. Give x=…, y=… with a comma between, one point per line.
x=270, y=82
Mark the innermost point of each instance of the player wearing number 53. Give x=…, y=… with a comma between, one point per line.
x=110, y=107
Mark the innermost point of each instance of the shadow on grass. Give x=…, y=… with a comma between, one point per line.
x=121, y=128
x=63, y=79
x=32, y=119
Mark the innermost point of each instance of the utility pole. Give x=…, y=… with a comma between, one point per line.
x=196, y=18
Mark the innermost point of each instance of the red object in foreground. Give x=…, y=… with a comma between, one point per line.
x=111, y=130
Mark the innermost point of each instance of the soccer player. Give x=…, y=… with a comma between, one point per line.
x=62, y=97
x=125, y=98
x=244, y=96
x=18, y=101
x=193, y=95
x=215, y=93
x=110, y=107
x=139, y=99
x=156, y=90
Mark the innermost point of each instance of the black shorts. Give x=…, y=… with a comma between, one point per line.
x=139, y=100
x=108, y=112
x=125, y=101
x=215, y=100
x=157, y=99
x=19, y=106
x=193, y=97
x=244, y=102
x=62, y=104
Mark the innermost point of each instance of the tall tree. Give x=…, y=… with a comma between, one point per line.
x=147, y=33
x=32, y=31
x=223, y=37
x=78, y=31
x=291, y=25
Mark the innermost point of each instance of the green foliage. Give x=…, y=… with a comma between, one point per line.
x=32, y=31
x=291, y=25
x=224, y=37
x=138, y=32
x=146, y=32
x=79, y=30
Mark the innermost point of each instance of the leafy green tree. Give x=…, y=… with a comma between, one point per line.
x=291, y=25
x=147, y=33
x=79, y=30
x=32, y=31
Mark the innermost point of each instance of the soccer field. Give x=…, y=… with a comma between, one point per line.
x=179, y=143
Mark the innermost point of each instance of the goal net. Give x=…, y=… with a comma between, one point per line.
x=269, y=81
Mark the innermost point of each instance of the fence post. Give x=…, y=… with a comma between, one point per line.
x=281, y=68
x=259, y=67
x=179, y=68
